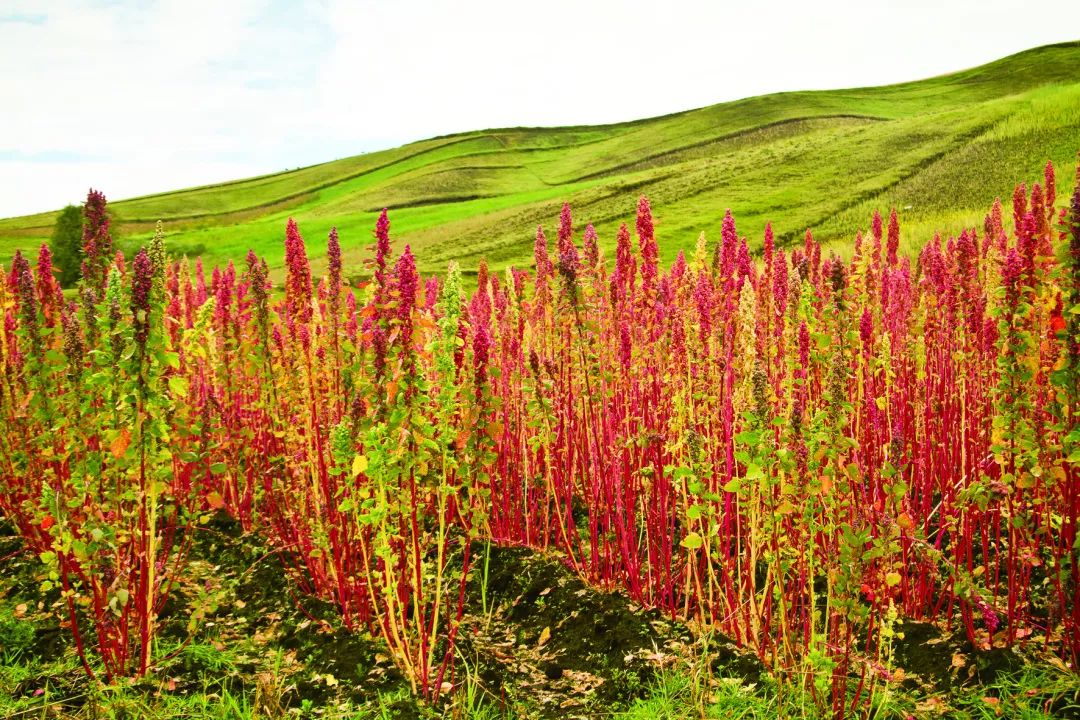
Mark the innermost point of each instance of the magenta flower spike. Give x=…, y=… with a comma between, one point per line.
x=431, y=293
x=569, y=267
x=590, y=249
x=893, y=239
x=647, y=245
x=48, y=290
x=729, y=240
x=769, y=246
x=22, y=282
x=744, y=266
x=566, y=230
x=780, y=285
x=141, y=284
x=97, y=242
x=382, y=252
x=703, y=299
x=866, y=331
x=544, y=266
x=333, y=264
x=1019, y=208
x=625, y=344
x=298, y=279
x=624, y=263
x=1049, y=191
x=408, y=282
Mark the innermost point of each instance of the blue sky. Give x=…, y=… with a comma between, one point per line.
x=153, y=95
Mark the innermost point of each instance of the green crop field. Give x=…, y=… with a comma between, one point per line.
x=821, y=160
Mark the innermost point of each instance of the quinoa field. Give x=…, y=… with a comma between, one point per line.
x=611, y=473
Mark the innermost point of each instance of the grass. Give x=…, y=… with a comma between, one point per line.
x=940, y=150
x=1035, y=693
x=1025, y=696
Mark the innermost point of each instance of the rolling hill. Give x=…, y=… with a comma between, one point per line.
x=939, y=150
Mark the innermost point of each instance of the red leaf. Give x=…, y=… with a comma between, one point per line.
x=120, y=444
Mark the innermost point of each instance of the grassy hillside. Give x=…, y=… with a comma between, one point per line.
x=940, y=150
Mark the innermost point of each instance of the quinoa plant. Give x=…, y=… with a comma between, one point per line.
x=94, y=452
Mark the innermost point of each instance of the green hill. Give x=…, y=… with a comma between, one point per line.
x=939, y=150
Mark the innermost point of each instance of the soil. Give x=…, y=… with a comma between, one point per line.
x=538, y=641
x=554, y=647
x=938, y=660
x=549, y=645
x=317, y=660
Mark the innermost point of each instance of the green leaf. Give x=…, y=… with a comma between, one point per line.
x=218, y=468
x=692, y=541
x=732, y=485
x=359, y=465
x=748, y=437
x=178, y=386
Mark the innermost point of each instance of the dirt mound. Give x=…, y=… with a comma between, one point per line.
x=537, y=640
x=552, y=646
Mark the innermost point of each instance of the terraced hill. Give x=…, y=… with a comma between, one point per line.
x=939, y=150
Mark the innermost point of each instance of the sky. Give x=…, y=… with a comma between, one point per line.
x=142, y=96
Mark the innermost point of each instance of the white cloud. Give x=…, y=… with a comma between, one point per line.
x=160, y=94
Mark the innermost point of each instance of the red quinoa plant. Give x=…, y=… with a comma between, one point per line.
x=95, y=474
